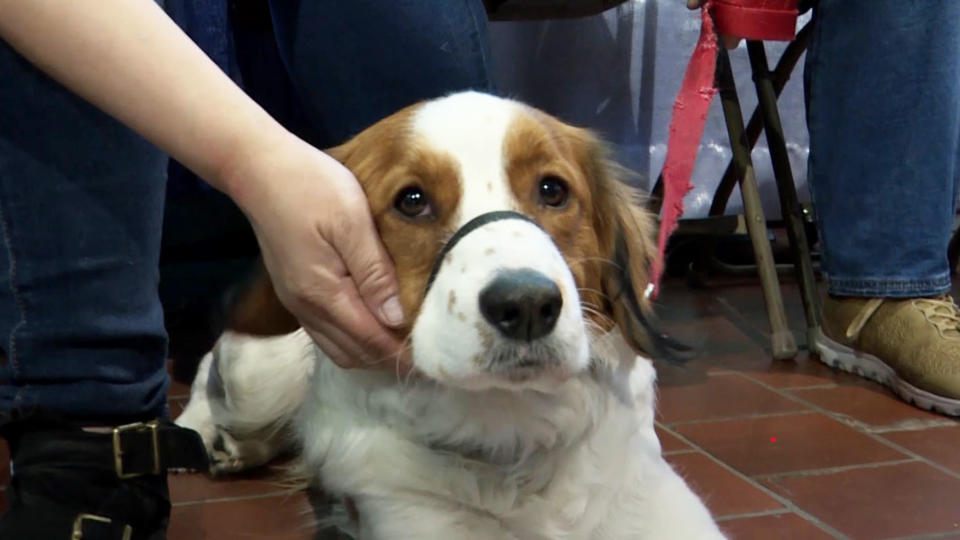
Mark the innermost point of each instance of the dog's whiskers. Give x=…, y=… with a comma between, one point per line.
x=599, y=293
x=587, y=308
x=578, y=260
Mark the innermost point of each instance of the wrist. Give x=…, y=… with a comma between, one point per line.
x=244, y=171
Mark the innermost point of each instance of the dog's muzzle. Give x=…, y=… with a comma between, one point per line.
x=467, y=228
x=522, y=304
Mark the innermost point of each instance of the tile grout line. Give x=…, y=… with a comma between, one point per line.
x=931, y=536
x=787, y=503
x=666, y=454
x=753, y=416
x=823, y=386
x=283, y=493
x=745, y=515
x=834, y=470
x=908, y=424
x=884, y=430
x=829, y=386
x=733, y=312
x=874, y=436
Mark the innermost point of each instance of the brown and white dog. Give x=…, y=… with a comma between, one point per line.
x=529, y=414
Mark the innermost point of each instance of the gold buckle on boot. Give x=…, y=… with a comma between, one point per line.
x=78, y=526
x=118, y=447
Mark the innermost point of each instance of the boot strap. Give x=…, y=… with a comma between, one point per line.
x=131, y=450
x=56, y=523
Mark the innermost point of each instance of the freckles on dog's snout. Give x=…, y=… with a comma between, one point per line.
x=521, y=304
x=505, y=312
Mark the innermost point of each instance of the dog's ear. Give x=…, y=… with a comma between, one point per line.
x=625, y=236
x=252, y=307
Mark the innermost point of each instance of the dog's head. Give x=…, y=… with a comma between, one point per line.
x=514, y=239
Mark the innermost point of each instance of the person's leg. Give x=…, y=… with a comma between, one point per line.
x=81, y=328
x=81, y=199
x=353, y=63
x=884, y=121
x=883, y=98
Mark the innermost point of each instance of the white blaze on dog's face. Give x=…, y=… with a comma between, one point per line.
x=513, y=301
x=503, y=308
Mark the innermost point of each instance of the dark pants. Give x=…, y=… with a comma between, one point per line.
x=883, y=97
x=81, y=197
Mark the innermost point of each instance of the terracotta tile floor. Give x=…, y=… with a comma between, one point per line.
x=778, y=449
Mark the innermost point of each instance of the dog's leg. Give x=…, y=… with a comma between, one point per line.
x=197, y=414
x=411, y=516
x=245, y=395
x=656, y=503
x=659, y=504
x=226, y=453
x=678, y=511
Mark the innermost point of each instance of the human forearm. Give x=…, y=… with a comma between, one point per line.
x=129, y=59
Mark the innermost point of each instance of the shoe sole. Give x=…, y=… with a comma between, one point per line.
x=870, y=367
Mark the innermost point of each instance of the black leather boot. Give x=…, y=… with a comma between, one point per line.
x=82, y=483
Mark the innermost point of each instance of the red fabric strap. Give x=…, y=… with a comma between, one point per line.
x=756, y=19
x=686, y=129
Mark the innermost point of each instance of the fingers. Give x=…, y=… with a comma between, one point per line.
x=346, y=321
x=327, y=304
x=330, y=349
x=347, y=353
x=369, y=264
x=339, y=322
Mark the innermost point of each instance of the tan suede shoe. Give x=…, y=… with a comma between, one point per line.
x=911, y=345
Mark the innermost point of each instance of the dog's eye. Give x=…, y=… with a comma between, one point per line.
x=413, y=202
x=553, y=191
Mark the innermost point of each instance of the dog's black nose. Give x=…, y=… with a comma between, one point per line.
x=522, y=304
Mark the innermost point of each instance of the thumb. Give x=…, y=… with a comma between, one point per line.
x=372, y=271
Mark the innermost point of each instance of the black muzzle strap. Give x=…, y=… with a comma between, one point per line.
x=468, y=227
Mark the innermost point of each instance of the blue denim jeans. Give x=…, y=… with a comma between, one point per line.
x=81, y=196
x=883, y=111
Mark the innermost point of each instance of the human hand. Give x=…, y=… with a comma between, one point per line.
x=728, y=42
x=322, y=250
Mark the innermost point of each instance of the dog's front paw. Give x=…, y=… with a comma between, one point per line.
x=198, y=417
x=229, y=454
x=225, y=453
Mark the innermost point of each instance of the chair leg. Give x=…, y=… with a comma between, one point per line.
x=789, y=205
x=782, y=341
x=780, y=75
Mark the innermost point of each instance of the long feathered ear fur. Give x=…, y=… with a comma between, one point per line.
x=252, y=307
x=626, y=232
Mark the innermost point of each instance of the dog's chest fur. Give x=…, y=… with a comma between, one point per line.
x=542, y=465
